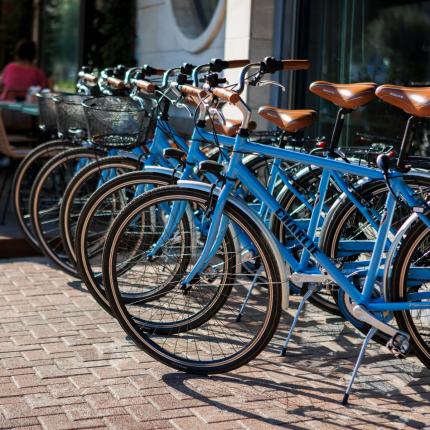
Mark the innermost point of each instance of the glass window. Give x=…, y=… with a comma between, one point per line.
x=382, y=41
x=60, y=41
x=193, y=16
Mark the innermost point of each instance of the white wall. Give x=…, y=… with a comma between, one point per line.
x=157, y=44
x=245, y=34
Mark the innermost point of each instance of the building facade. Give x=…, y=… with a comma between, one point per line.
x=383, y=41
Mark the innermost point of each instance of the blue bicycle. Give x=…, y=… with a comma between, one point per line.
x=189, y=327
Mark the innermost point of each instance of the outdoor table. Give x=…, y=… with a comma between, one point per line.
x=27, y=108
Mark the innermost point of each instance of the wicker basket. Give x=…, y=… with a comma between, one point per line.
x=70, y=114
x=47, y=112
x=115, y=121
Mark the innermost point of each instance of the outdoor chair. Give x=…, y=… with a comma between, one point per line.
x=14, y=154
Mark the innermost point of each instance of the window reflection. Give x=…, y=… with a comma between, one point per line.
x=193, y=16
x=60, y=41
x=366, y=40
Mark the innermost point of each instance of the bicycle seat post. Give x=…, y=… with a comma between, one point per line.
x=405, y=146
x=337, y=129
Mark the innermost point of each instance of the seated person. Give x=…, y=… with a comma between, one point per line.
x=18, y=76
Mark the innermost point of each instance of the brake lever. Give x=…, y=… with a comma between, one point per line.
x=181, y=105
x=176, y=102
x=216, y=111
x=276, y=84
x=163, y=95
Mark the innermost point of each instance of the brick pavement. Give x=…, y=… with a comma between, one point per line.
x=65, y=364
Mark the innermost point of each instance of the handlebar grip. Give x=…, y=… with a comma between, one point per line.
x=193, y=91
x=295, y=64
x=115, y=82
x=227, y=95
x=88, y=77
x=232, y=64
x=149, y=87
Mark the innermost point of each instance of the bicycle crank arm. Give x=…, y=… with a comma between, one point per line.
x=318, y=278
x=399, y=343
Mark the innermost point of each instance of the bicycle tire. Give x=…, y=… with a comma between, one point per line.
x=93, y=281
x=72, y=197
x=47, y=177
x=270, y=259
x=336, y=222
x=23, y=174
x=397, y=286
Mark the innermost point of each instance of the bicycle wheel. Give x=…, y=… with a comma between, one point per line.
x=45, y=200
x=347, y=237
x=24, y=178
x=203, y=335
x=80, y=189
x=176, y=253
x=96, y=218
x=410, y=275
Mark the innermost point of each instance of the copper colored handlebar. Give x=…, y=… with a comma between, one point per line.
x=115, y=82
x=149, y=87
x=232, y=64
x=193, y=91
x=227, y=95
x=295, y=64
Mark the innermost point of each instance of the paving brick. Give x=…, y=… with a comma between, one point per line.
x=19, y=423
x=84, y=411
x=11, y=390
x=129, y=423
x=148, y=412
x=53, y=371
x=65, y=363
x=193, y=422
x=37, y=354
x=166, y=402
x=21, y=409
x=124, y=391
x=33, y=380
x=62, y=422
x=44, y=400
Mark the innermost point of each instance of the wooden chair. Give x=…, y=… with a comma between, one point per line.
x=14, y=153
x=16, y=122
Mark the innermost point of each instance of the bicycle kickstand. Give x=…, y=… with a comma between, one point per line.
x=248, y=295
x=366, y=341
x=311, y=290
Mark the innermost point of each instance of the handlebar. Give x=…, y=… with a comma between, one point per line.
x=189, y=90
x=227, y=95
x=149, y=87
x=295, y=64
x=216, y=65
x=116, y=83
x=271, y=65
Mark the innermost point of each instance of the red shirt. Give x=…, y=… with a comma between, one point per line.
x=19, y=77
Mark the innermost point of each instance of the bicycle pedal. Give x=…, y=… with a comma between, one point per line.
x=399, y=345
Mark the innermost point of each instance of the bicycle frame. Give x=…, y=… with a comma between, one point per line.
x=236, y=171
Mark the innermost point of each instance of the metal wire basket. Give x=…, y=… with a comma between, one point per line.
x=70, y=114
x=115, y=121
x=47, y=112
